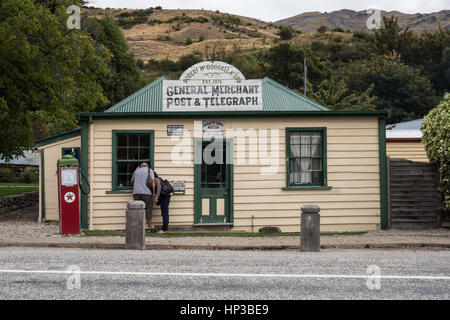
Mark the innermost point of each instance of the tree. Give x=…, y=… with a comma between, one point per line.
x=399, y=88
x=48, y=73
x=335, y=95
x=286, y=32
x=392, y=38
x=436, y=139
x=125, y=77
x=285, y=64
x=322, y=29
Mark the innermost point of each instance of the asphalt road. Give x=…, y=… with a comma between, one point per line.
x=198, y=275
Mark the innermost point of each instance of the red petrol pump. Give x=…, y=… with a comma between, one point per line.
x=69, y=195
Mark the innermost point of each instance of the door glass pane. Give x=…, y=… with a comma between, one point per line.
x=214, y=175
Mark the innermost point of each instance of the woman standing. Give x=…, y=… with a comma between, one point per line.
x=163, y=201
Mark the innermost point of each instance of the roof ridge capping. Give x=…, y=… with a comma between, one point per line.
x=294, y=94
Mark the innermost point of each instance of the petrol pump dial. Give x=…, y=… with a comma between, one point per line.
x=69, y=177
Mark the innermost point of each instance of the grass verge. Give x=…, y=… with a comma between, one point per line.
x=9, y=191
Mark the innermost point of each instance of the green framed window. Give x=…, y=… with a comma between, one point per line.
x=129, y=149
x=71, y=151
x=306, y=157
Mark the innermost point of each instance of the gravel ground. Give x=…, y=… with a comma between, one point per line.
x=25, y=229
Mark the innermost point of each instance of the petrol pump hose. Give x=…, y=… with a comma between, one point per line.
x=89, y=187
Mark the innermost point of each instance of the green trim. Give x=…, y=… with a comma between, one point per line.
x=230, y=178
x=42, y=172
x=124, y=191
x=230, y=114
x=306, y=188
x=323, y=176
x=114, y=187
x=383, y=173
x=84, y=168
x=56, y=138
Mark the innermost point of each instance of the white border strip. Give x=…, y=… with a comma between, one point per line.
x=240, y=275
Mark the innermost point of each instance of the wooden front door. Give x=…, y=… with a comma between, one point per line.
x=213, y=181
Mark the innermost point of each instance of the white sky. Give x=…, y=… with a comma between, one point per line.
x=273, y=10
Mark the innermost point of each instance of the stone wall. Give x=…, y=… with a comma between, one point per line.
x=19, y=201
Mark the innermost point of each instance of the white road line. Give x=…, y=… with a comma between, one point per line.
x=241, y=275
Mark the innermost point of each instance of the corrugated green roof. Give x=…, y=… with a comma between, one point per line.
x=147, y=99
x=276, y=97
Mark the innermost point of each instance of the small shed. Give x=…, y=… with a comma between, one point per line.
x=241, y=154
x=404, y=140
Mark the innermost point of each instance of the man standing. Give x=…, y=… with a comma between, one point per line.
x=142, y=192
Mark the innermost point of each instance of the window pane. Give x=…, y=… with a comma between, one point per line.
x=316, y=177
x=122, y=153
x=317, y=165
x=133, y=154
x=306, y=164
x=295, y=164
x=294, y=177
x=133, y=140
x=305, y=138
x=144, y=141
x=122, y=168
x=316, y=137
x=295, y=150
x=121, y=140
x=306, y=150
x=316, y=150
x=295, y=138
x=132, y=166
x=305, y=177
x=144, y=153
x=122, y=180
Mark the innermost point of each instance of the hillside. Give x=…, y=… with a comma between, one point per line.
x=356, y=20
x=160, y=34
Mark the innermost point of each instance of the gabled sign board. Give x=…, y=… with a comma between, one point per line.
x=212, y=86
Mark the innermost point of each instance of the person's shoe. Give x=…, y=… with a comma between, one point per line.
x=162, y=231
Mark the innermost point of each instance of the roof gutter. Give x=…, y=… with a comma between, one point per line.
x=229, y=114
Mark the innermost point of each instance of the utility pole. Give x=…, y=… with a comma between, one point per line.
x=305, y=68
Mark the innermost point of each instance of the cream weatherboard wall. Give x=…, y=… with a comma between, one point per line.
x=411, y=150
x=352, y=203
x=52, y=152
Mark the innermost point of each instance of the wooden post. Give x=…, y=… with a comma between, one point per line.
x=310, y=228
x=135, y=225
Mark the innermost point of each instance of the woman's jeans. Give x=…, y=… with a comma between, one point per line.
x=164, y=203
